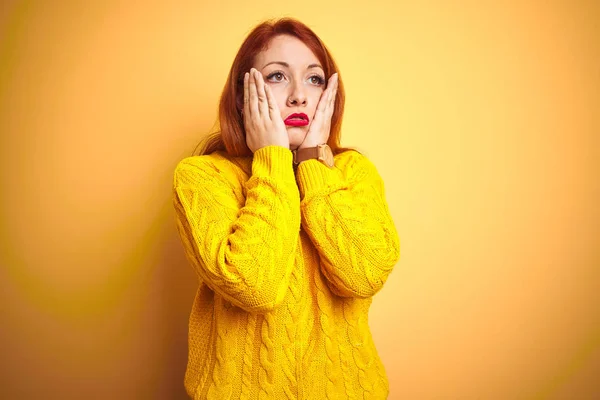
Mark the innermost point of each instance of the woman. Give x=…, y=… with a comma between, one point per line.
x=289, y=248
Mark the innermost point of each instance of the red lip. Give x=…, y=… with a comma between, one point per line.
x=297, y=119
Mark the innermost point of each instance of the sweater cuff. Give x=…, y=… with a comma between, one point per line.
x=315, y=177
x=273, y=161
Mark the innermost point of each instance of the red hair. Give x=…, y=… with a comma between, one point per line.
x=231, y=137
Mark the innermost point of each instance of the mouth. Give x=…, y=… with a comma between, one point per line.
x=297, y=119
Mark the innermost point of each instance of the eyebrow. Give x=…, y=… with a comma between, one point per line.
x=288, y=65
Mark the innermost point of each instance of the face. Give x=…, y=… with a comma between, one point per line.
x=296, y=79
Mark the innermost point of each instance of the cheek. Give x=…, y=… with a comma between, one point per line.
x=279, y=94
x=315, y=97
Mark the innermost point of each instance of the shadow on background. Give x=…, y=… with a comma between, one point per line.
x=178, y=284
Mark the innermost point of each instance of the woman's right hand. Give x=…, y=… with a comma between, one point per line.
x=262, y=118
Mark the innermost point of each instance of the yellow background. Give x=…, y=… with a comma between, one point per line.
x=482, y=118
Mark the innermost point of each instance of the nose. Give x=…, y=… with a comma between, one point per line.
x=297, y=96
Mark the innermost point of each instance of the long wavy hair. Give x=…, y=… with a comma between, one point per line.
x=230, y=135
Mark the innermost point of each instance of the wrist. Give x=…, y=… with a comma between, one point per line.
x=320, y=152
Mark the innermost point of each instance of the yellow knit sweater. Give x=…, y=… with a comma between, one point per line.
x=288, y=259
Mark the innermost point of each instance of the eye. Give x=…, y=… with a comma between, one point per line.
x=273, y=74
x=278, y=76
x=319, y=80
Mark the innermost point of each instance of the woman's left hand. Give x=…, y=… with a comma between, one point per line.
x=319, y=129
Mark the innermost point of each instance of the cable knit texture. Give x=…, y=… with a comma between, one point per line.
x=288, y=260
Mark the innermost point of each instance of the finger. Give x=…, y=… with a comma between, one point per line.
x=263, y=107
x=253, y=95
x=329, y=97
x=331, y=84
x=323, y=101
x=246, y=108
x=334, y=87
x=273, y=108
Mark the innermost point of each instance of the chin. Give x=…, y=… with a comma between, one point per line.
x=296, y=138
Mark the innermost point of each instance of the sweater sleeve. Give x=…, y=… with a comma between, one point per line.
x=346, y=215
x=242, y=249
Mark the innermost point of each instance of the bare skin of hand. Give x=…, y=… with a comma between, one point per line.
x=262, y=119
x=320, y=127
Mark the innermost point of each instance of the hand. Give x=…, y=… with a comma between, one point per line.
x=262, y=118
x=320, y=127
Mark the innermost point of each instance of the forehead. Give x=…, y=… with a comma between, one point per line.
x=288, y=49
